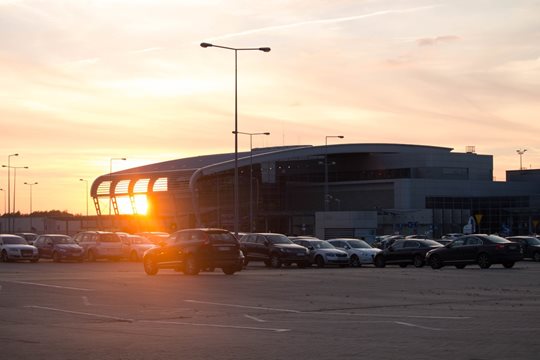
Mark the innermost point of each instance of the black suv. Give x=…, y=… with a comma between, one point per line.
x=273, y=249
x=193, y=250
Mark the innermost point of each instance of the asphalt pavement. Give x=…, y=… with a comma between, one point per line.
x=113, y=310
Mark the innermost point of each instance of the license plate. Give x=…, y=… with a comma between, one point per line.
x=224, y=248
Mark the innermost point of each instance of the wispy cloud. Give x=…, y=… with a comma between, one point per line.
x=323, y=21
x=437, y=40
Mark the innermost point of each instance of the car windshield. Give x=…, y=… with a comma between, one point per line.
x=222, y=238
x=62, y=240
x=497, y=239
x=139, y=240
x=358, y=244
x=533, y=241
x=279, y=239
x=109, y=238
x=432, y=243
x=321, y=245
x=14, y=240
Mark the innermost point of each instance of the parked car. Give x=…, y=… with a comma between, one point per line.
x=451, y=236
x=480, y=249
x=100, y=245
x=29, y=237
x=387, y=241
x=360, y=252
x=405, y=252
x=192, y=250
x=274, y=249
x=134, y=246
x=530, y=246
x=58, y=247
x=14, y=247
x=322, y=253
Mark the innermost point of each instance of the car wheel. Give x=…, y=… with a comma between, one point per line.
x=133, y=256
x=536, y=256
x=379, y=262
x=56, y=257
x=436, y=262
x=150, y=265
x=229, y=270
x=191, y=267
x=355, y=261
x=460, y=266
x=246, y=262
x=4, y=256
x=319, y=261
x=483, y=261
x=508, y=264
x=91, y=256
x=418, y=261
x=275, y=262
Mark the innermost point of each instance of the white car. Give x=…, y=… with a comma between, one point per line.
x=322, y=253
x=360, y=252
x=14, y=247
x=134, y=246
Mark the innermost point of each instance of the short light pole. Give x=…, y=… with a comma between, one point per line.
x=326, y=193
x=111, y=189
x=86, y=194
x=10, y=220
x=251, y=174
x=263, y=49
x=520, y=153
x=31, y=185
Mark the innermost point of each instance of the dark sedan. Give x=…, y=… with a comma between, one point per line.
x=480, y=249
x=405, y=252
x=58, y=247
x=530, y=246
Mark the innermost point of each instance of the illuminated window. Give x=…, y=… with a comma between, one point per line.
x=141, y=186
x=160, y=185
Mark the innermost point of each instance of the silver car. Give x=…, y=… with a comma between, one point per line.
x=14, y=247
x=322, y=253
x=134, y=246
x=360, y=252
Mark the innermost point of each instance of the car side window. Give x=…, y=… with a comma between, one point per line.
x=397, y=245
x=458, y=243
x=339, y=244
x=474, y=241
x=411, y=244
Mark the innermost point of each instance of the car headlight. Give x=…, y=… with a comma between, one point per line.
x=330, y=255
x=62, y=250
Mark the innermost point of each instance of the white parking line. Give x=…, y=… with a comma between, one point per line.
x=254, y=318
x=329, y=312
x=243, y=306
x=52, y=286
x=416, y=326
x=79, y=313
x=215, y=325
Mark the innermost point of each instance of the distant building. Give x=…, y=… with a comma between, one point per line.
x=371, y=189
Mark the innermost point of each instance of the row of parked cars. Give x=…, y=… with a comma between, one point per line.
x=86, y=245
x=194, y=250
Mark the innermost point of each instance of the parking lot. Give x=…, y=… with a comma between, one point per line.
x=112, y=310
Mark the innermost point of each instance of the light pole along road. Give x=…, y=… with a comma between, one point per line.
x=263, y=49
x=251, y=174
x=31, y=185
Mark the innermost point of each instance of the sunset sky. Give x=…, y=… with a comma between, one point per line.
x=86, y=81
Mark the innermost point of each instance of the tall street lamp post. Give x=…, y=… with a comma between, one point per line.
x=520, y=153
x=111, y=190
x=9, y=189
x=86, y=194
x=251, y=174
x=31, y=185
x=263, y=49
x=10, y=210
x=326, y=194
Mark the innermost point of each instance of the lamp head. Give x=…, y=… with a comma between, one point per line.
x=205, y=45
x=341, y=136
x=266, y=133
x=265, y=49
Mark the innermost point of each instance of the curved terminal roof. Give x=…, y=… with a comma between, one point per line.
x=193, y=167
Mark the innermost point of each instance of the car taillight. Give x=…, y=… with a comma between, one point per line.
x=499, y=246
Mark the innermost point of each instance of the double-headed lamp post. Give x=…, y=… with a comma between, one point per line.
x=263, y=49
x=86, y=194
x=520, y=153
x=251, y=173
x=326, y=194
x=31, y=185
x=14, y=186
x=111, y=190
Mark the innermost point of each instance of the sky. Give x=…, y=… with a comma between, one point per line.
x=84, y=82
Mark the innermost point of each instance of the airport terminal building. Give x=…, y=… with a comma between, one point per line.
x=352, y=190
